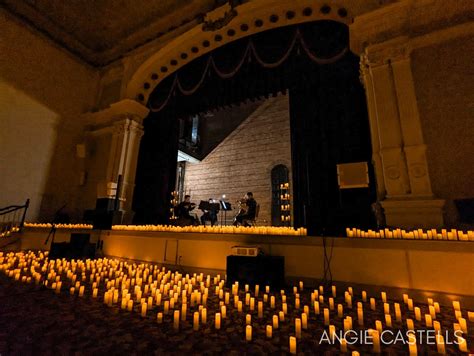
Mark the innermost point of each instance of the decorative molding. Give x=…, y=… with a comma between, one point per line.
x=124, y=109
x=219, y=18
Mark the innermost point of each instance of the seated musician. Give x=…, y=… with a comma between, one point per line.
x=183, y=211
x=249, y=214
x=209, y=215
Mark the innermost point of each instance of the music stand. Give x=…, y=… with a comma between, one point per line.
x=225, y=207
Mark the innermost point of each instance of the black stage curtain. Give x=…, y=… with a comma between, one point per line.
x=328, y=115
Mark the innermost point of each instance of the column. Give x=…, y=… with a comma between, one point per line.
x=117, y=129
x=397, y=134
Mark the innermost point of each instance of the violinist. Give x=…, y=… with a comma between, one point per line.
x=243, y=216
x=183, y=211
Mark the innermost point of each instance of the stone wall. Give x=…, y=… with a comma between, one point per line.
x=43, y=91
x=444, y=82
x=244, y=160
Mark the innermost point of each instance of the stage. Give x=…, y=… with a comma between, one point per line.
x=442, y=268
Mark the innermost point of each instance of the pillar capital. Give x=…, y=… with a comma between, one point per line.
x=117, y=112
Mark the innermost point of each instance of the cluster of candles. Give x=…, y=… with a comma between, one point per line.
x=254, y=230
x=58, y=226
x=9, y=231
x=202, y=301
x=419, y=234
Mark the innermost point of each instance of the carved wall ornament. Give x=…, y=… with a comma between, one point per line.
x=418, y=170
x=393, y=172
x=219, y=18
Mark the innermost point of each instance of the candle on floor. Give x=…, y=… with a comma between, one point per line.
x=72, y=289
x=306, y=310
x=417, y=314
x=196, y=321
x=248, y=333
x=316, y=307
x=272, y=302
x=437, y=308
x=298, y=328
x=223, y=311
x=376, y=341
x=218, y=321
x=257, y=290
x=386, y=308
x=332, y=332
x=412, y=349
x=130, y=305
x=388, y=320
x=340, y=310
x=360, y=316
x=260, y=309
x=372, y=303
x=333, y=289
x=437, y=326
x=440, y=346
x=176, y=320
x=281, y=316
x=292, y=345
x=343, y=345
x=410, y=324
x=428, y=321
x=144, y=307
x=405, y=298
x=326, y=316
x=159, y=318
x=269, y=331
x=248, y=319
x=239, y=306
x=95, y=292
x=252, y=304
x=398, y=312
x=456, y=305
x=304, y=321
x=384, y=297
x=204, y=315
x=331, y=303
x=364, y=296
x=378, y=326
x=275, y=322
x=166, y=307
x=81, y=291
x=462, y=344
x=463, y=324
x=297, y=303
x=284, y=307
x=410, y=304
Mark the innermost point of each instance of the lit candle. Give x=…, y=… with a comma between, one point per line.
x=239, y=306
x=410, y=304
x=360, y=316
x=428, y=321
x=412, y=344
x=398, y=312
x=437, y=326
x=196, y=321
x=301, y=285
x=159, y=318
x=272, y=302
x=437, y=308
x=388, y=320
x=378, y=326
x=252, y=304
x=331, y=303
x=333, y=288
x=284, y=306
x=248, y=333
x=275, y=321
x=405, y=298
x=463, y=325
x=248, y=319
x=326, y=316
x=281, y=316
x=384, y=297
x=218, y=321
x=176, y=320
x=297, y=303
x=81, y=291
x=316, y=307
x=364, y=296
x=166, y=307
x=456, y=305
x=410, y=324
x=204, y=315
x=372, y=303
x=386, y=308
x=292, y=345
x=130, y=305
x=260, y=309
x=72, y=289
x=304, y=321
x=343, y=345
x=144, y=307
x=376, y=341
x=417, y=314
x=223, y=311
x=440, y=344
x=269, y=331
x=340, y=310
x=298, y=328
x=95, y=292
x=462, y=344
x=332, y=332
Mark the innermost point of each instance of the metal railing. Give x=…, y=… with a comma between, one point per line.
x=12, y=218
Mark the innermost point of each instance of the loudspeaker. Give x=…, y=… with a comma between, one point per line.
x=103, y=220
x=105, y=204
x=261, y=270
x=59, y=250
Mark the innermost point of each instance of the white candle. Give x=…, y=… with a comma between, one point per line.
x=297, y=303
x=144, y=307
x=260, y=309
x=343, y=345
x=218, y=321
x=159, y=318
x=248, y=333
x=326, y=316
x=417, y=314
x=130, y=305
x=304, y=321
x=298, y=328
x=248, y=319
x=378, y=326
x=386, y=308
x=364, y=296
x=204, y=315
x=463, y=325
x=196, y=321
x=275, y=322
x=269, y=331
x=388, y=320
x=281, y=316
x=176, y=320
x=223, y=312
x=410, y=304
x=376, y=341
x=316, y=307
x=292, y=345
x=428, y=321
x=412, y=349
x=360, y=316
x=372, y=303
x=333, y=288
x=81, y=291
x=462, y=344
x=272, y=302
x=440, y=344
x=340, y=310
x=410, y=324
x=384, y=297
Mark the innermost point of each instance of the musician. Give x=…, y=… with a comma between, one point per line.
x=183, y=210
x=243, y=218
x=209, y=215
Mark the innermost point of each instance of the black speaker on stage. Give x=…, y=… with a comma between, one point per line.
x=261, y=270
x=59, y=250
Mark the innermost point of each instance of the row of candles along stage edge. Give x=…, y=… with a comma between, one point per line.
x=154, y=286
x=254, y=230
x=419, y=234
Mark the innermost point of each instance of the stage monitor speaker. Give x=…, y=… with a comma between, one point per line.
x=261, y=270
x=353, y=175
x=59, y=250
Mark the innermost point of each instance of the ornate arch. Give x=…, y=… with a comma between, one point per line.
x=227, y=24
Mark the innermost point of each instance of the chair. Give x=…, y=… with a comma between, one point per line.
x=253, y=222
